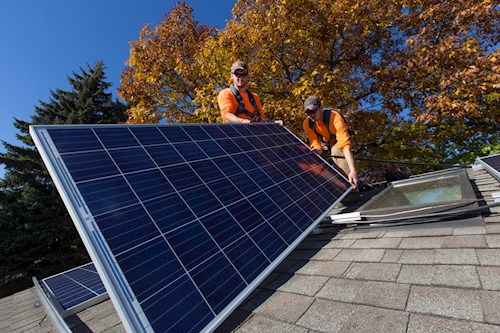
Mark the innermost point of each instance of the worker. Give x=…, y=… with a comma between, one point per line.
x=327, y=125
x=237, y=104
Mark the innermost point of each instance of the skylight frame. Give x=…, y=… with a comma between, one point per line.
x=469, y=198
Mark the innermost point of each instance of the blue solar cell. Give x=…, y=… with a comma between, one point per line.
x=229, y=146
x=76, y=140
x=149, y=184
x=211, y=148
x=285, y=227
x=258, y=159
x=219, y=280
x=222, y=227
x=115, y=137
x=246, y=215
x=258, y=143
x=273, y=156
x=201, y=200
x=227, y=164
x=269, y=142
x=181, y=176
x=164, y=155
x=192, y=243
x=149, y=267
x=244, y=183
x=243, y=143
x=247, y=257
x=245, y=162
x=98, y=162
x=146, y=136
x=134, y=159
x=174, y=307
x=279, y=196
x=230, y=131
x=207, y=170
x=267, y=207
x=107, y=194
x=190, y=151
x=185, y=219
x=175, y=134
x=273, y=172
x=169, y=212
x=225, y=190
x=196, y=133
x=215, y=132
x=244, y=131
x=127, y=227
x=260, y=178
x=268, y=240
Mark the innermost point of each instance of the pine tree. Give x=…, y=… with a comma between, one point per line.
x=37, y=236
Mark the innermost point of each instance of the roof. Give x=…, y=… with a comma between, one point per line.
x=438, y=278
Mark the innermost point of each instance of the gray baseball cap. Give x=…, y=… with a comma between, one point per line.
x=239, y=65
x=311, y=104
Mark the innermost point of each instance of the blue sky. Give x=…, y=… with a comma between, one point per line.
x=44, y=41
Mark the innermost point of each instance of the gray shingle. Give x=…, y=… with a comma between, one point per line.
x=446, y=302
x=421, y=243
x=366, y=319
x=303, y=284
x=284, y=306
x=324, y=268
x=374, y=271
x=465, y=241
x=493, y=240
x=490, y=277
x=417, y=257
x=456, y=257
x=490, y=302
x=429, y=324
x=489, y=257
x=326, y=316
x=378, y=243
x=370, y=255
x=259, y=324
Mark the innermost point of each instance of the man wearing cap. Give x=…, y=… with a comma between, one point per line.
x=335, y=134
x=237, y=104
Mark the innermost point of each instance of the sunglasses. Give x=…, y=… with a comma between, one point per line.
x=310, y=112
x=240, y=75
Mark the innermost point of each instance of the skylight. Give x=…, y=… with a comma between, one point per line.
x=432, y=197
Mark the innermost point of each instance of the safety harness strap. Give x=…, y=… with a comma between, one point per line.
x=241, y=105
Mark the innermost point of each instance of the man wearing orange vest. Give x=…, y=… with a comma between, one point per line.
x=335, y=134
x=237, y=104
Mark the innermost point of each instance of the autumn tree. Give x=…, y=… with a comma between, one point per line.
x=163, y=74
x=446, y=75
x=415, y=78
x=37, y=236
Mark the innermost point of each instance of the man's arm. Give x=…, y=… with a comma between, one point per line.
x=232, y=118
x=312, y=136
x=353, y=175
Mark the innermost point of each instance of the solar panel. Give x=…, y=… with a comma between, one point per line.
x=491, y=164
x=75, y=289
x=184, y=221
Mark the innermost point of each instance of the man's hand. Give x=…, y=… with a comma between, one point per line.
x=318, y=150
x=353, y=179
x=245, y=121
x=279, y=122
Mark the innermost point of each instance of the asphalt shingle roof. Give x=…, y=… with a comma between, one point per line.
x=436, y=279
